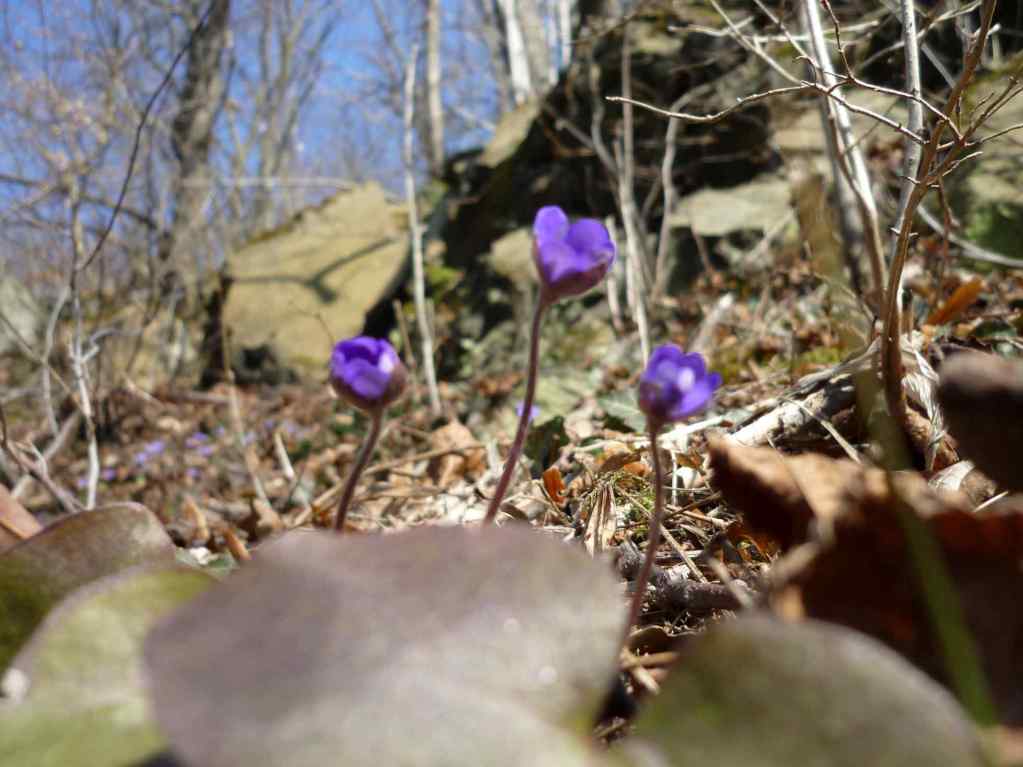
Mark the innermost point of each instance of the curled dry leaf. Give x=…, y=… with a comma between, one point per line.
x=445, y=470
x=862, y=574
x=982, y=397
x=960, y=300
x=554, y=484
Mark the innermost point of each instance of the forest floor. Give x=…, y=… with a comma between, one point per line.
x=796, y=526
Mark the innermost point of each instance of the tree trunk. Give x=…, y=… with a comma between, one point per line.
x=518, y=55
x=538, y=52
x=436, y=104
x=192, y=131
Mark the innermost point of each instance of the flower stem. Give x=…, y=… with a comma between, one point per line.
x=368, y=443
x=654, y=535
x=527, y=406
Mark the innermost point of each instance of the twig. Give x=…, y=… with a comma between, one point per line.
x=416, y=235
x=76, y=354
x=746, y=101
x=970, y=250
x=248, y=456
x=930, y=169
x=614, y=303
x=670, y=196
x=633, y=272
x=37, y=469
x=912, y=152
x=45, y=369
x=58, y=442
x=138, y=135
x=407, y=354
x=846, y=156
x=682, y=594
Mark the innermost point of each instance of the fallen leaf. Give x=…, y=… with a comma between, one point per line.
x=445, y=470
x=554, y=484
x=16, y=522
x=602, y=522
x=960, y=300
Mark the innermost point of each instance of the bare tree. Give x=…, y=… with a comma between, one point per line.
x=191, y=129
x=433, y=86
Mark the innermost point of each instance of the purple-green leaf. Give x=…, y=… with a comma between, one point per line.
x=36, y=574
x=435, y=646
x=75, y=695
x=759, y=691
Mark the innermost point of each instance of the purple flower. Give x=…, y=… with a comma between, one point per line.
x=155, y=447
x=196, y=439
x=367, y=372
x=675, y=384
x=571, y=258
x=534, y=411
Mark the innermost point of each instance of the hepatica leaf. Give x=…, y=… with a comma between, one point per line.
x=436, y=646
x=759, y=692
x=77, y=686
x=36, y=574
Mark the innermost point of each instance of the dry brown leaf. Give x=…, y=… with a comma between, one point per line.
x=445, y=470
x=603, y=521
x=957, y=303
x=554, y=484
x=16, y=522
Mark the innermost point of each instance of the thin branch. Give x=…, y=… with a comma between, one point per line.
x=892, y=370
x=746, y=101
x=138, y=136
x=416, y=235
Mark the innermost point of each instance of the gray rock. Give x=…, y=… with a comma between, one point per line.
x=299, y=288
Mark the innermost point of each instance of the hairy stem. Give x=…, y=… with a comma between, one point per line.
x=527, y=405
x=370, y=442
x=653, y=538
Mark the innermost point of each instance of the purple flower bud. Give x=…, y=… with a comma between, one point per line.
x=367, y=372
x=571, y=258
x=675, y=384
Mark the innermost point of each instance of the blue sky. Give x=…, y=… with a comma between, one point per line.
x=342, y=132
